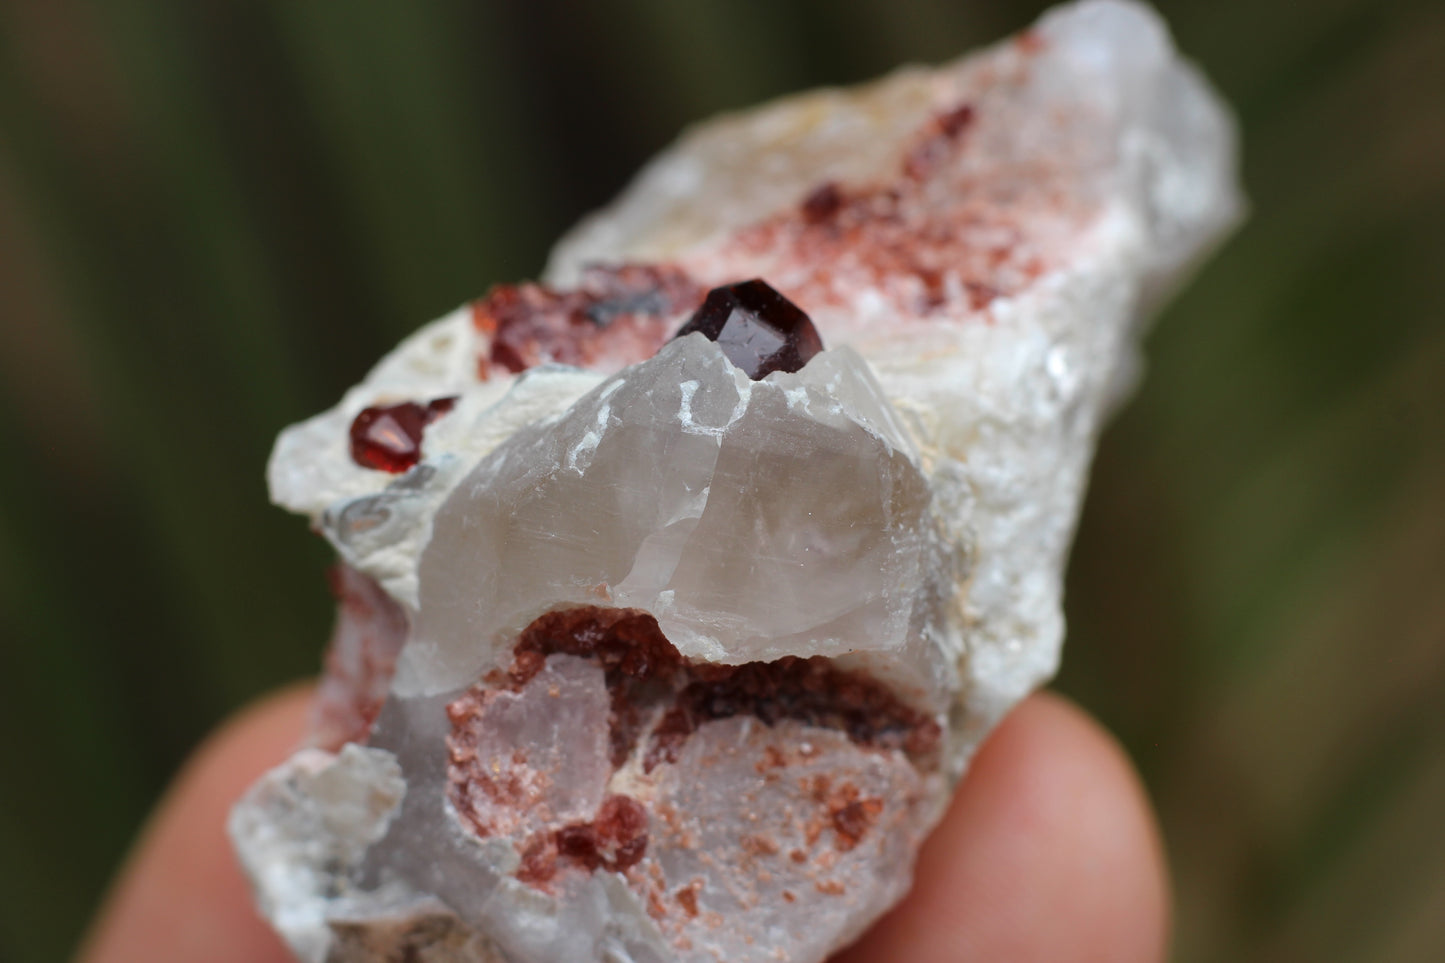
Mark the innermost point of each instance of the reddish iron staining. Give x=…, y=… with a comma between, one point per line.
x=849, y=815
x=939, y=236
x=798, y=856
x=687, y=899
x=788, y=896
x=539, y=860
x=980, y=294
x=389, y=438
x=853, y=819
x=938, y=143
x=360, y=661
x=823, y=203
x=505, y=787
x=1031, y=42
x=616, y=316
x=758, y=845
x=935, y=288
x=773, y=758
x=510, y=789
x=952, y=123
x=830, y=887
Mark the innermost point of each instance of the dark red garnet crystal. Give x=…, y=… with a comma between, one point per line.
x=757, y=328
x=389, y=438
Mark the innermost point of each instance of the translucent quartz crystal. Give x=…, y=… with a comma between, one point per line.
x=753, y=519
x=659, y=648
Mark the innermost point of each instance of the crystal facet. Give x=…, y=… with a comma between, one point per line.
x=389, y=438
x=758, y=329
x=619, y=312
x=669, y=651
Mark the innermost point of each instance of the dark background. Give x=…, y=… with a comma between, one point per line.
x=215, y=214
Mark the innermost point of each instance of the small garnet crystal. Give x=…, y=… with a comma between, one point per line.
x=757, y=328
x=389, y=438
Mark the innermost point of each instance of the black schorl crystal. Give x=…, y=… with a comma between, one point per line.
x=757, y=328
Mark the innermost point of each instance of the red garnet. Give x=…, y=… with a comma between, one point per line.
x=757, y=328
x=389, y=438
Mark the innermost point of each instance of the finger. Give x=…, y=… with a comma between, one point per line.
x=181, y=896
x=1048, y=852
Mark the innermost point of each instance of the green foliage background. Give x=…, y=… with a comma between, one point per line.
x=215, y=214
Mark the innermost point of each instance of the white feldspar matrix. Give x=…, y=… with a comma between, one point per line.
x=677, y=589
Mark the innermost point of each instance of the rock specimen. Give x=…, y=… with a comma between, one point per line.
x=678, y=588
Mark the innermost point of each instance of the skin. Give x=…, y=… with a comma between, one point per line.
x=1049, y=852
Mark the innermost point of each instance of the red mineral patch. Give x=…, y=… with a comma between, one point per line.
x=823, y=203
x=951, y=230
x=616, y=316
x=812, y=691
x=539, y=860
x=641, y=665
x=360, y=661
x=626, y=643
x=659, y=697
x=758, y=845
x=388, y=438
x=773, y=758
x=615, y=840
x=852, y=818
x=619, y=832
x=940, y=139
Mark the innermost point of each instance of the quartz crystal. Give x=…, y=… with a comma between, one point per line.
x=678, y=587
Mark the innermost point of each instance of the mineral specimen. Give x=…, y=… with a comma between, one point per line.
x=678, y=588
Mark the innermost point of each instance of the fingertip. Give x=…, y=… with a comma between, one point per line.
x=1049, y=851
x=181, y=895
x=1110, y=893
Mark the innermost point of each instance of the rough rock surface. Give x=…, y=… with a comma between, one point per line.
x=641, y=658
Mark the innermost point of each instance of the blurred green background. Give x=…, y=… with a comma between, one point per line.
x=215, y=214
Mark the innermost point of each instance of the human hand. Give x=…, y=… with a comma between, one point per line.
x=1048, y=852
